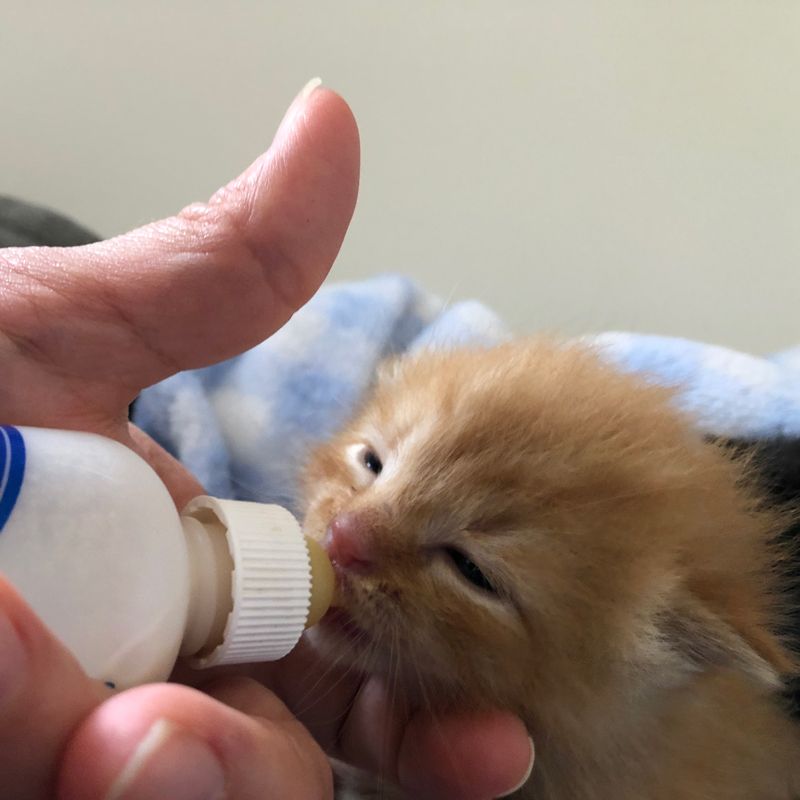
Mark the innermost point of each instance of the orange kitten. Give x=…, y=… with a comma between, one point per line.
x=524, y=527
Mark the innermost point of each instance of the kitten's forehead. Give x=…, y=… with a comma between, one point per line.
x=434, y=398
x=540, y=417
x=439, y=428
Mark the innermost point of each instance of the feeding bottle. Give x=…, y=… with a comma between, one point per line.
x=91, y=539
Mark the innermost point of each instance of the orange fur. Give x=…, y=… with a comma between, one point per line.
x=636, y=576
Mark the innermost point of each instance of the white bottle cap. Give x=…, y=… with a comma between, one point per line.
x=270, y=581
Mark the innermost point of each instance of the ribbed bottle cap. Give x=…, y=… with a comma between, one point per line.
x=270, y=583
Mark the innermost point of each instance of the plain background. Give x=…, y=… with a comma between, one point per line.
x=578, y=166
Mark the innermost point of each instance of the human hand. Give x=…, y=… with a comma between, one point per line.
x=362, y=721
x=82, y=331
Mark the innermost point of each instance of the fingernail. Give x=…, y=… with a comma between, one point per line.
x=309, y=88
x=300, y=100
x=171, y=763
x=525, y=776
x=12, y=660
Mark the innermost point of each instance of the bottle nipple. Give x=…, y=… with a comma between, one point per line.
x=272, y=582
x=323, y=582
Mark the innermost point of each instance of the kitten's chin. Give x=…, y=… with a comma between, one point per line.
x=338, y=638
x=341, y=641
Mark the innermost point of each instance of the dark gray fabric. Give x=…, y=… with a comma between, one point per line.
x=23, y=224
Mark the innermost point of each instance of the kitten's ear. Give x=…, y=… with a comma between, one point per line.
x=702, y=640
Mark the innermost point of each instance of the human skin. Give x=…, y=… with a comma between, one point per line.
x=82, y=332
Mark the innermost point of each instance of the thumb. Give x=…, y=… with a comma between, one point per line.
x=201, y=286
x=44, y=694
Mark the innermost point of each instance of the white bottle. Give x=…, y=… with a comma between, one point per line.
x=91, y=539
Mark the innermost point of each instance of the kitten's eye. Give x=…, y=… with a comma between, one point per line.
x=469, y=570
x=372, y=462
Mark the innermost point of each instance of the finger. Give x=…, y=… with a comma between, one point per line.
x=168, y=741
x=322, y=695
x=182, y=485
x=449, y=756
x=462, y=757
x=43, y=695
x=364, y=723
x=204, y=285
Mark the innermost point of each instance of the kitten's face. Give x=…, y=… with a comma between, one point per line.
x=511, y=521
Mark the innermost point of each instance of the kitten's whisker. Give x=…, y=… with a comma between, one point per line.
x=421, y=684
x=351, y=669
x=330, y=668
x=310, y=701
x=431, y=708
x=394, y=672
x=448, y=302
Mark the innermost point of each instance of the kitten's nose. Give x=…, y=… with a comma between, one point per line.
x=348, y=542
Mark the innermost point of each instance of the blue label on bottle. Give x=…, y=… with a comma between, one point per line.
x=12, y=470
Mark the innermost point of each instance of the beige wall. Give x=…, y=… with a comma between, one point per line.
x=578, y=165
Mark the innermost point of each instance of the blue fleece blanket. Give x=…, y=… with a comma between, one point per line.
x=245, y=426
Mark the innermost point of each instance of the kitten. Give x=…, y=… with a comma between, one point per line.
x=525, y=528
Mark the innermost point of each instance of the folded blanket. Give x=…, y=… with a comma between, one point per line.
x=245, y=426
x=729, y=394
